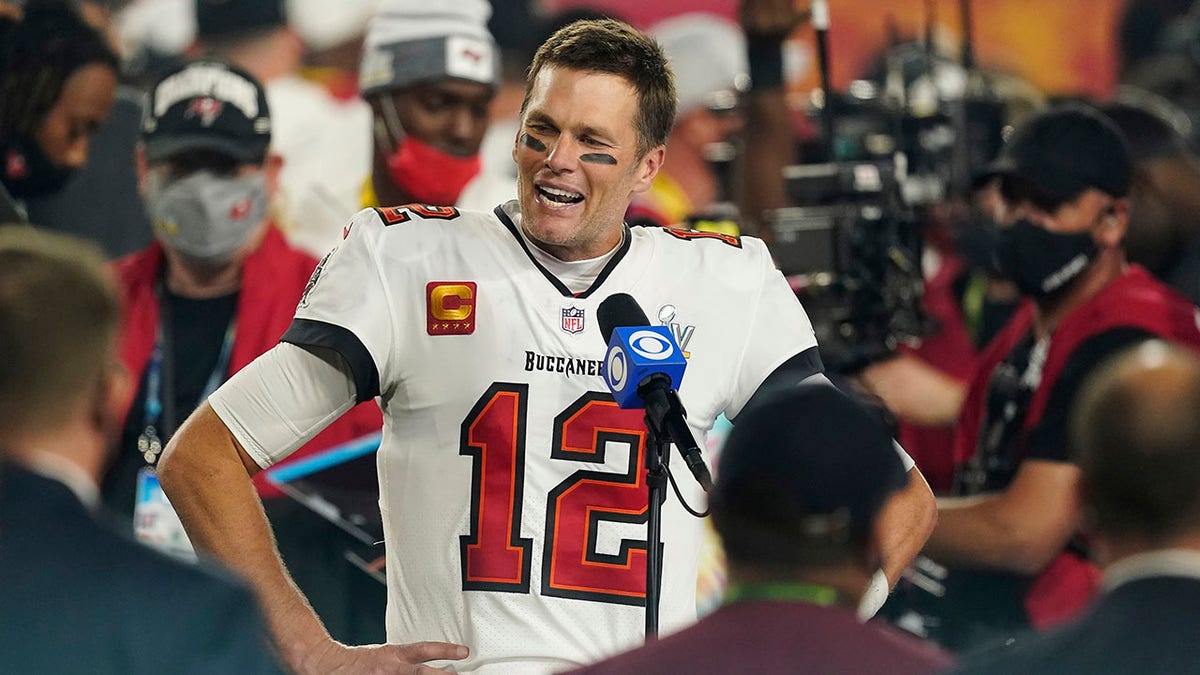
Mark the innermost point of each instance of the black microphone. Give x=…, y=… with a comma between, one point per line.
x=664, y=412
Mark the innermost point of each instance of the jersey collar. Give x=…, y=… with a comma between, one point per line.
x=622, y=249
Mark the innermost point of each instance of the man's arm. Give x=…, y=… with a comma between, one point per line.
x=1020, y=529
x=206, y=473
x=915, y=391
x=768, y=140
x=904, y=525
x=1024, y=527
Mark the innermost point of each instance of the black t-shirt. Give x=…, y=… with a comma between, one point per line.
x=197, y=334
x=1010, y=390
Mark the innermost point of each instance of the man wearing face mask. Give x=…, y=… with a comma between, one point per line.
x=1009, y=538
x=58, y=77
x=217, y=288
x=429, y=71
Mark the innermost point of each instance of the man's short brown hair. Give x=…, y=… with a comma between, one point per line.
x=1135, y=434
x=609, y=46
x=58, y=318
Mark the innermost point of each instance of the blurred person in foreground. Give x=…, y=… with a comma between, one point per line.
x=78, y=597
x=800, y=484
x=502, y=451
x=1135, y=435
x=58, y=79
x=216, y=289
x=1009, y=536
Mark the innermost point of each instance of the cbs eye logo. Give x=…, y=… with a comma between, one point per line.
x=616, y=368
x=650, y=345
x=647, y=345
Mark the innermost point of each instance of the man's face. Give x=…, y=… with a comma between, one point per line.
x=187, y=163
x=80, y=109
x=577, y=161
x=450, y=115
x=1018, y=201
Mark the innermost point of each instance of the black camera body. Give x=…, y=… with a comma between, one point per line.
x=853, y=255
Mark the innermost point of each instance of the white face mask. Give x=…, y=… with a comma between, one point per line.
x=204, y=215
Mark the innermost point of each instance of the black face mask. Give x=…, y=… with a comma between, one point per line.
x=1042, y=263
x=27, y=171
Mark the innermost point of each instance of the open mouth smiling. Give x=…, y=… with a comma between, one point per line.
x=558, y=196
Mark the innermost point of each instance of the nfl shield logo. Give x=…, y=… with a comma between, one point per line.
x=572, y=320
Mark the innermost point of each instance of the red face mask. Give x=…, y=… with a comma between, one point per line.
x=430, y=175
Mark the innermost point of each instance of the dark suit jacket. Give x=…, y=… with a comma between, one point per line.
x=1146, y=626
x=75, y=597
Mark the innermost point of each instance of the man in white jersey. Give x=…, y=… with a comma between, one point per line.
x=512, y=488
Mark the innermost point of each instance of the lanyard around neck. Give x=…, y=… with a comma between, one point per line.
x=160, y=372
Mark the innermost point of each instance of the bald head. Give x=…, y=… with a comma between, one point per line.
x=1136, y=435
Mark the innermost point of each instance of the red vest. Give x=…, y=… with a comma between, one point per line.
x=951, y=351
x=1134, y=300
x=273, y=278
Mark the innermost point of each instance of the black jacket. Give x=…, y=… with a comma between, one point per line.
x=1145, y=626
x=76, y=597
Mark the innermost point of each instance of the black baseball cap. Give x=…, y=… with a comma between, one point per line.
x=216, y=19
x=207, y=105
x=807, y=454
x=1060, y=152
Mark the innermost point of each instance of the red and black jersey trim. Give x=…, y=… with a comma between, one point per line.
x=626, y=240
x=310, y=333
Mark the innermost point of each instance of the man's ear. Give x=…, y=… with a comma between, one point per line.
x=272, y=166
x=1114, y=224
x=648, y=168
x=110, y=401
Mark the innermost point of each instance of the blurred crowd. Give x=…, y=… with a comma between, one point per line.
x=215, y=150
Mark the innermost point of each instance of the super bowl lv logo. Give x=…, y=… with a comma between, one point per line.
x=572, y=319
x=450, y=307
x=682, y=333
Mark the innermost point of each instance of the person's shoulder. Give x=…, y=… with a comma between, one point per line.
x=1060, y=652
x=137, y=265
x=410, y=230
x=1136, y=286
x=906, y=652
x=116, y=563
x=416, y=219
x=135, y=563
x=703, y=247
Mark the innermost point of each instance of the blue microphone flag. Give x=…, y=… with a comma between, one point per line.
x=636, y=352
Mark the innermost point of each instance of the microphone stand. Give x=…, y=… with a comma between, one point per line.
x=665, y=424
x=658, y=449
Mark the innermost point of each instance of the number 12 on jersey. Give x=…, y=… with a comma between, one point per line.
x=494, y=555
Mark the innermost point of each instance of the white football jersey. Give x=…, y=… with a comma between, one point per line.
x=511, y=486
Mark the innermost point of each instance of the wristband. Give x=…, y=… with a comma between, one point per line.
x=765, y=58
x=874, y=597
